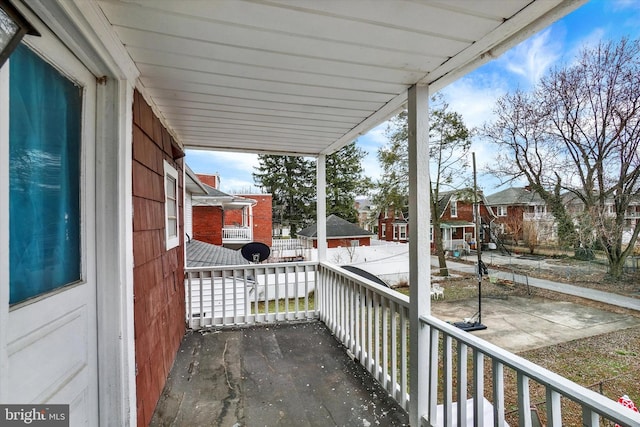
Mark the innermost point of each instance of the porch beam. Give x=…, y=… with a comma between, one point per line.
x=419, y=249
x=321, y=185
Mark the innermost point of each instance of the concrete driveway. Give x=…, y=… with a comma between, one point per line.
x=519, y=324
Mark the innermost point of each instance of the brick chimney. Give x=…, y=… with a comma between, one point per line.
x=211, y=180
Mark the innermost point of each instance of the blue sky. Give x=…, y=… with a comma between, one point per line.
x=474, y=95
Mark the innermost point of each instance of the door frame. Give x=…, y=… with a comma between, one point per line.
x=83, y=29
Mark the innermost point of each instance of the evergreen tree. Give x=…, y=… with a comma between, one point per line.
x=346, y=181
x=292, y=182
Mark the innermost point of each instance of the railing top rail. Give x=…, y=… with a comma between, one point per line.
x=388, y=293
x=598, y=403
x=250, y=266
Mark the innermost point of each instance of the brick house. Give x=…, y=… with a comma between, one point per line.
x=514, y=207
x=457, y=221
x=230, y=220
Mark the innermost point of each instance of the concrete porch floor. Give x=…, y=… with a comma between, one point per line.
x=293, y=374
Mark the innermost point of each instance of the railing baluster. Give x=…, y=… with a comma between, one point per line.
x=370, y=327
x=590, y=418
x=286, y=293
x=385, y=343
x=363, y=322
x=434, y=338
x=498, y=393
x=447, y=392
x=461, y=388
x=201, y=292
x=394, y=347
x=524, y=400
x=554, y=410
x=478, y=388
x=404, y=375
x=376, y=331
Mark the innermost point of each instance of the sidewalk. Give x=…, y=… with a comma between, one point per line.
x=591, y=294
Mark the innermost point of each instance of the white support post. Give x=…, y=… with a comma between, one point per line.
x=321, y=185
x=419, y=249
x=116, y=343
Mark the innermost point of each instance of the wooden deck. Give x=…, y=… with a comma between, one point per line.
x=290, y=374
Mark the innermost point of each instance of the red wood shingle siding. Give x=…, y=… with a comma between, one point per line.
x=158, y=274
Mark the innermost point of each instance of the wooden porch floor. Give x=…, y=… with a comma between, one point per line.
x=289, y=374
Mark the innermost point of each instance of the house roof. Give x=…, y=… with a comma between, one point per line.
x=515, y=196
x=301, y=77
x=201, y=254
x=215, y=197
x=193, y=183
x=336, y=228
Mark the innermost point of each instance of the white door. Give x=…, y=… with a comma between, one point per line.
x=50, y=337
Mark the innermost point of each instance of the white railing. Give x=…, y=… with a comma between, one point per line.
x=372, y=322
x=448, y=365
x=237, y=233
x=287, y=244
x=455, y=244
x=249, y=294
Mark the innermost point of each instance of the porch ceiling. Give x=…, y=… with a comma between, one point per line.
x=303, y=76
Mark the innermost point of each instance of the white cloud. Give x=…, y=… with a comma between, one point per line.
x=533, y=57
x=474, y=97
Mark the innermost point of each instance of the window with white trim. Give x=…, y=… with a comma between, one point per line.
x=403, y=232
x=383, y=230
x=502, y=210
x=454, y=208
x=171, y=206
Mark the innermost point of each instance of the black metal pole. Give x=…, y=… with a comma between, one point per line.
x=476, y=206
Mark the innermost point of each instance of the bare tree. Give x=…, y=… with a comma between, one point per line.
x=530, y=235
x=578, y=133
x=449, y=142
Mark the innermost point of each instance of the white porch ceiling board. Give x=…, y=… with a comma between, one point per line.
x=160, y=83
x=221, y=128
x=306, y=76
x=280, y=133
x=265, y=137
x=235, y=124
x=260, y=118
x=230, y=104
x=285, y=61
x=252, y=36
x=170, y=105
x=221, y=69
x=173, y=74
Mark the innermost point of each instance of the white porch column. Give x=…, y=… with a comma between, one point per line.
x=419, y=249
x=321, y=185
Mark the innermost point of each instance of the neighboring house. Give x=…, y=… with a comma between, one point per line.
x=517, y=208
x=230, y=220
x=366, y=210
x=575, y=206
x=457, y=221
x=393, y=225
x=340, y=233
x=193, y=186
